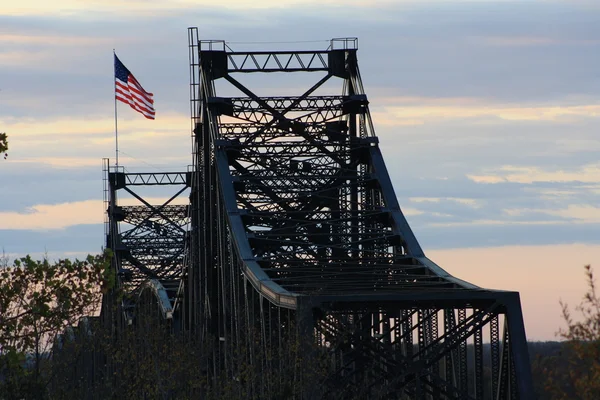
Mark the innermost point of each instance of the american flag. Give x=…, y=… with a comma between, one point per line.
x=129, y=91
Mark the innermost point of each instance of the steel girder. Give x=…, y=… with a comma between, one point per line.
x=296, y=227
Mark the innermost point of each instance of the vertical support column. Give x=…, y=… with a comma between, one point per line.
x=478, y=364
x=407, y=316
x=504, y=378
x=495, y=353
x=422, y=333
x=450, y=357
x=435, y=369
x=193, y=301
x=352, y=161
x=462, y=355
x=519, y=350
x=305, y=325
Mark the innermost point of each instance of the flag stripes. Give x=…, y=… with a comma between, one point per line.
x=129, y=91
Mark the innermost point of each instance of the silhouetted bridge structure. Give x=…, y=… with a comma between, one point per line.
x=293, y=228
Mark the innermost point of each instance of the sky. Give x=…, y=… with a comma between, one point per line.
x=488, y=114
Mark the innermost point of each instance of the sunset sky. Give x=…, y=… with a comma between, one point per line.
x=488, y=114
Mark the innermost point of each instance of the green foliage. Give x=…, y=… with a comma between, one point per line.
x=574, y=373
x=4, y=144
x=38, y=300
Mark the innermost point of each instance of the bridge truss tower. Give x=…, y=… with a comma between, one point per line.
x=149, y=241
x=300, y=258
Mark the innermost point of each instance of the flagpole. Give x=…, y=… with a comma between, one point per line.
x=116, y=128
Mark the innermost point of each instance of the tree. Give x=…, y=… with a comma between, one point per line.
x=576, y=373
x=38, y=300
x=4, y=144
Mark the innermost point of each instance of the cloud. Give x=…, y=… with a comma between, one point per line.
x=519, y=41
x=576, y=213
x=60, y=216
x=433, y=47
x=589, y=173
x=56, y=242
x=19, y=58
x=425, y=199
x=411, y=211
x=509, y=204
x=499, y=233
x=149, y=7
x=486, y=179
x=556, y=194
x=592, y=188
x=54, y=216
x=78, y=141
x=468, y=202
x=493, y=222
x=418, y=115
x=12, y=39
x=130, y=124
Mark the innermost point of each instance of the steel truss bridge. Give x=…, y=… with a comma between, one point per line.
x=293, y=238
